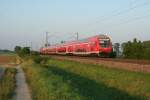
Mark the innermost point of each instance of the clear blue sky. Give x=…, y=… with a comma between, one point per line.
x=26, y=21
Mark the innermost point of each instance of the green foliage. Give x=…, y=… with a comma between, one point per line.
x=8, y=84
x=35, y=53
x=69, y=80
x=22, y=51
x=44, y=60
x=45, y=85
x=26, y=50
x=147, y=53
x=136, y=50
x=17, y=49
x=96, y=81
x=146, y=46
x=37, y=59
x=26, y=54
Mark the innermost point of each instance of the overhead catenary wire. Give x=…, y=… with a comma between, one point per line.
x=117, y=12
x=131, y=20
x=114, y=11
x=103, y=21
x=120, y=12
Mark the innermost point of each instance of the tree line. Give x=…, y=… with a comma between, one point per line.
x=136, y=49
x=25, y=53
x=6, y=51
x=22, y=51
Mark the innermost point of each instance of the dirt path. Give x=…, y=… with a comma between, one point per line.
x=22, y=91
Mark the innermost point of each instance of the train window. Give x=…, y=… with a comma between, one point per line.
x=104, y=43
x=93, y=43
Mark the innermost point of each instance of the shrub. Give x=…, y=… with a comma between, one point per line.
x=37, y=59
x=40, y=60
x=35, y=53
x=44, y=60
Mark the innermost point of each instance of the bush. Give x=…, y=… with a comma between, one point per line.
x=37, y=59
x=22, y=51
x=136, y=49
x=40, y=60
x=35, y=53
x=44, y=60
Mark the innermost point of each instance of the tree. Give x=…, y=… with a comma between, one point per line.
x=146, y=45
x=17, y=49
x=127, y=49
x=133, y=49
x=26, y=50
x=22, y=51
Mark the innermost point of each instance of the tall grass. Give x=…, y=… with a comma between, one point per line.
x=70, y=80
x=7, y=84
x=45, y=85
x=0, y=69
x=95, y=81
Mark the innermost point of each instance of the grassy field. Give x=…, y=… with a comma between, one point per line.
x=7, y=84
x=7, y=54
x=45, y=85
x=69, y=80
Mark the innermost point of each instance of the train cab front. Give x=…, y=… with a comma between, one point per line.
x=105, y=47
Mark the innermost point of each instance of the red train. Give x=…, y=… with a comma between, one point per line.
x=96, y=45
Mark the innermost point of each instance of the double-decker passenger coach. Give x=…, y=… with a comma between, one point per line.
x=96, y=45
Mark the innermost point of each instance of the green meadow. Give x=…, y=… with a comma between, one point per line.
x=70, y=80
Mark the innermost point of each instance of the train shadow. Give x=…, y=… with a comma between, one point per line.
x=90, y=89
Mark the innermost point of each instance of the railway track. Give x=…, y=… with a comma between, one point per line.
x=122, y=60
x=125, y=64
x=134, y=61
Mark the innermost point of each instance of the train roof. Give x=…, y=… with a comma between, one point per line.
x=102, y=36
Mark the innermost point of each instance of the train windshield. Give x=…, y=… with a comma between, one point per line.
x=104, y=43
